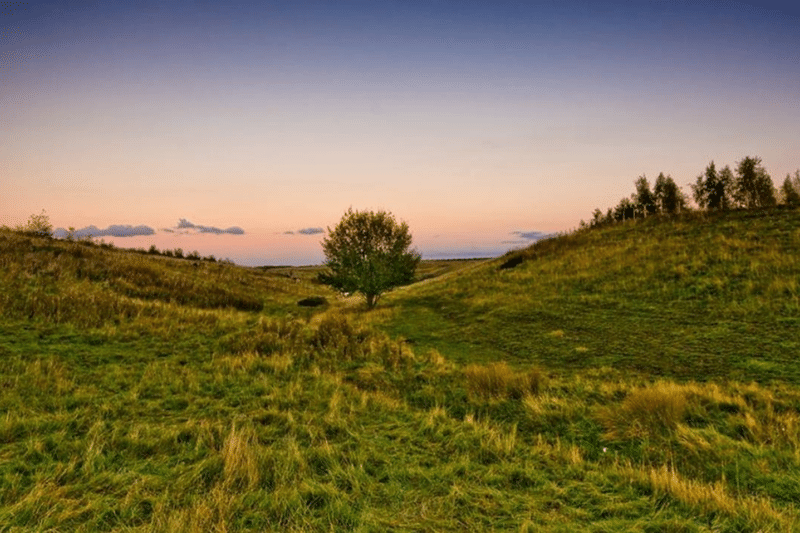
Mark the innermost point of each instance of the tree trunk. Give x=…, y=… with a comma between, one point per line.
x=372, y=299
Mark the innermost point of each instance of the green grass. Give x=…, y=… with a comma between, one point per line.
x=691, y=297
x=594, y=387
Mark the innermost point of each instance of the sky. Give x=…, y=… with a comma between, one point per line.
x=246, y=129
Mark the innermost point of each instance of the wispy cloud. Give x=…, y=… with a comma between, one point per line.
x=532, y=235
x=184, y=224
x=114, y=230
x=311, y=231
x=526, y=238
x=305, y=231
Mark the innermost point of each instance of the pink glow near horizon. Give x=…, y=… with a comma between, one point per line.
x=469, y=122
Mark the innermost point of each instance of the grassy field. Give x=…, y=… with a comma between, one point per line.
x=638, y=377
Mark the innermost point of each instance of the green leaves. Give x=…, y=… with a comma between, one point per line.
x=751, y=187
x=368, y=252
x=38, y=225
x=754, y=186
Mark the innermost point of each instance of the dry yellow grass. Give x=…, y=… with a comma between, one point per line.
x=645, y=412
x=240, y=455
x=712, y=498
x=498, y=380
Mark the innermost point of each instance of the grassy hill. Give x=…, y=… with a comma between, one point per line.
x=638, y=377
x=696, y=297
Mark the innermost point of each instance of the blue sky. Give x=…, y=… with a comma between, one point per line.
x=469, y=120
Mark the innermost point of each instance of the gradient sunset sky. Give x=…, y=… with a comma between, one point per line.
x=478, y=123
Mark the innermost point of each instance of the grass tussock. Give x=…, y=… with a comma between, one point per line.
x=240, y=455
x=498, y=380
x=645, y=413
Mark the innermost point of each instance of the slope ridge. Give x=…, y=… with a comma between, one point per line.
x=697, y=296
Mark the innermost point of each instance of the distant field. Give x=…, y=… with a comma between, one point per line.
x=428, y=269
x=638, y=377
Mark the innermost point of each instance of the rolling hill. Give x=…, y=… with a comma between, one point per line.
x=635, y=377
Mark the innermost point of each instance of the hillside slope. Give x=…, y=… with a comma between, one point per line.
x=81, y=282
x=696, y=297
x=147, y=394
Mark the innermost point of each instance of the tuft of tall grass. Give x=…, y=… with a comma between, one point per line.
x=240, y=455
x=498, y=380
x=337, y=338
x=645, y=412
x=758, y=514
x=267, y=336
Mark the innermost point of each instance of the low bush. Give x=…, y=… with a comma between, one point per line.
x=312, y=301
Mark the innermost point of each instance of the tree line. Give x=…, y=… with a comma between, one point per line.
x=748, y=186
x=40, y=226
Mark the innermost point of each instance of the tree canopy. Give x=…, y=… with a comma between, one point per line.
x=368, y=252
x=754, y=186
x=790, y=190
x=668, y=196
x=714, y=190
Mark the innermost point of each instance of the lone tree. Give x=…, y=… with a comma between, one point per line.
x=368, y=253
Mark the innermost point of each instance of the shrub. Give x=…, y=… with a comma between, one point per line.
x=312, y=301
x=38, y=225
x=512, y=262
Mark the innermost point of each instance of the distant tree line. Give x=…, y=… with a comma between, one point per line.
x=665, y=197
x=748, y=187
x=40, y=226
x=177, y=253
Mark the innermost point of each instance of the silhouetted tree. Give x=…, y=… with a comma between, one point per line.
x=725, y=188
x=753, y=186
x=712, y=190
x=625, y=209
x=700, y=187
x=368, y=253
x=668, y=196
x=597, y=218
x=790, y=190
x=643, y=197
